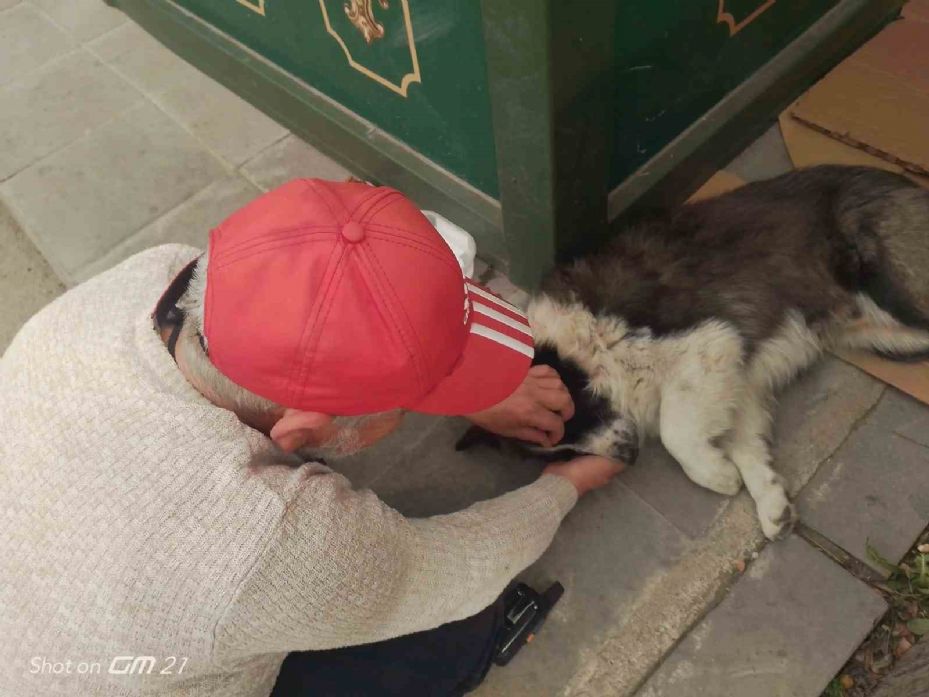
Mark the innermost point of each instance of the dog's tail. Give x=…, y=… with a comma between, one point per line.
x=885, y=236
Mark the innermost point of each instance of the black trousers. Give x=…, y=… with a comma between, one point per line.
x=444, y=662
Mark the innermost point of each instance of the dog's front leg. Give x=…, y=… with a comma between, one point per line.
x=692, y=429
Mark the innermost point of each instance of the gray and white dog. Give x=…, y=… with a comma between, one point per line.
x=687, y=324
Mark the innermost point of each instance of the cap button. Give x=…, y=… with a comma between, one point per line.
x=353, y=231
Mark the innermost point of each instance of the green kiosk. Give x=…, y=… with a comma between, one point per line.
x=533, y=124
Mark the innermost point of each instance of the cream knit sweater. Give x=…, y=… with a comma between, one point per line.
x=131, y=524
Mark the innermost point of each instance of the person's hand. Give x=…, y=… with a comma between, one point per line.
x=586, y=473
x=535, y=412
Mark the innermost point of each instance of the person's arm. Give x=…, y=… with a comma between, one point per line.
x=347, y=569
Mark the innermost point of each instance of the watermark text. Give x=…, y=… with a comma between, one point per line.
x=118, y=665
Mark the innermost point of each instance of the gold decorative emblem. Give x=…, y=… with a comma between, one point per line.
x=353, y=24
x=254, y=5
x=735, y=26
x=361, y=14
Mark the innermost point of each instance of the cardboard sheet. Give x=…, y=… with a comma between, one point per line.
x=807, y=147
x=719, y=183
x=917, y=9
x=901, y=52
x=878, y=99
x=912, y=378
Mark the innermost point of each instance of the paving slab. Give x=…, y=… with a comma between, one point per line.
x=610, y=547
x=28, y=39
x=114, y=43
x=875, y=488
x=784, y=629
x=816, y=414
x=765, y=158
x=228, y=125
x=83, y=200
x=190, y=223
x=56, y=104
x=910, y=675
x=83, y=19
x=657, y=614
x=659, y=480
x=608, y=550
x=27, y=282
x=914, y=422
x=289, y=159
x=418, y=471
x=141, y=59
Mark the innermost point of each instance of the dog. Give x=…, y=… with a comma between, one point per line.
x=687, y=323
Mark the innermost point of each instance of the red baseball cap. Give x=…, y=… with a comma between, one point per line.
x=342, y=298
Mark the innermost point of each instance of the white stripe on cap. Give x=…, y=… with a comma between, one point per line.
x=494, y=299
x=502, y=318
x=501, y=338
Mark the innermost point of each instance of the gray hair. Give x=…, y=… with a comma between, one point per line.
x=235, y=397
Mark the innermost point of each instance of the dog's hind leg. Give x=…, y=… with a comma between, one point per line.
x=749, y=448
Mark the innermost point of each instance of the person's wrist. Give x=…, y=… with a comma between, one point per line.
x=558, y=470
x=561, y=490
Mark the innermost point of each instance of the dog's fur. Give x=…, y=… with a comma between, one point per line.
x=686, y=324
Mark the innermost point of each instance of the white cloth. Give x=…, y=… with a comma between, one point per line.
x=134, y=524
x=460, y=241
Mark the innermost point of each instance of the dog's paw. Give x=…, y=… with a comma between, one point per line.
x=776, y=513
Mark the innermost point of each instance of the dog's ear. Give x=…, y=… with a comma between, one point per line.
x=477, y=436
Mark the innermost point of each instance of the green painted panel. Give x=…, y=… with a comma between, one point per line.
x=433, y=97
x=675, y=59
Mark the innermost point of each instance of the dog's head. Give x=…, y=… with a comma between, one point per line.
x=595, y=429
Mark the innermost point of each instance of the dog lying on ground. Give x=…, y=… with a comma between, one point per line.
x=687, y=324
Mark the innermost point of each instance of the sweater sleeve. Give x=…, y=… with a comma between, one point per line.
x=347, y=569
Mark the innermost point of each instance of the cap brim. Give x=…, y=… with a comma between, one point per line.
x=496, y=357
